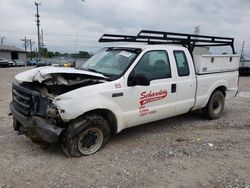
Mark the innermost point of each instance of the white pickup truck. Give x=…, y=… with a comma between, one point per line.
x=122, y=87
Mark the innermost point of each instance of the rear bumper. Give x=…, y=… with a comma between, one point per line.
x=36, y=128
x=231, y=93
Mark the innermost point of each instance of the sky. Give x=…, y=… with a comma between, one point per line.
x=74, y=25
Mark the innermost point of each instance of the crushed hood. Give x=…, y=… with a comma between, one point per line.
x=43, y=73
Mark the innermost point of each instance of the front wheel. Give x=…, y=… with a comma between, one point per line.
x=215, y=105
x=85, y=136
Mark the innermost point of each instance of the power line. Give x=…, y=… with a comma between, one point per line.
x=57, y=34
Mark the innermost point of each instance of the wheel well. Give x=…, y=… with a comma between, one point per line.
x=222, y=89
x=108, y=115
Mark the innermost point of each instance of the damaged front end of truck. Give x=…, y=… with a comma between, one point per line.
x=33, y=92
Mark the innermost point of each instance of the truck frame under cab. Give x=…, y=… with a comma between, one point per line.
x=158, y=75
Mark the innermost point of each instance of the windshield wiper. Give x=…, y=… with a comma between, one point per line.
x=109, y=77
x=90, y=70
x=93, y=70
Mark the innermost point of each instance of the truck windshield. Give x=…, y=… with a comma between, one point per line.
x=111, y=62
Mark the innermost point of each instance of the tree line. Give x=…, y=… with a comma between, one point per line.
x=50, y=54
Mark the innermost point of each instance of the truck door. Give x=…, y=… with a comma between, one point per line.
x=156, y=101
x=185, y=82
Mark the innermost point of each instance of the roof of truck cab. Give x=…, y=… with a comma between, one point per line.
x=147, y=46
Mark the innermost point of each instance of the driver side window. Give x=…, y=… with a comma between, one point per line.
x=154, y=65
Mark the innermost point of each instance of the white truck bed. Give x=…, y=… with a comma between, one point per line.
x=206, y=83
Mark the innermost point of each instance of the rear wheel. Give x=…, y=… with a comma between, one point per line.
x=215, y=105
x=85, y=136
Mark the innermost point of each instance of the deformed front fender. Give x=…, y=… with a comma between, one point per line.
x=71, y=108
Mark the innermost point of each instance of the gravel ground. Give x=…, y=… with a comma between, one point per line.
x=184, y=151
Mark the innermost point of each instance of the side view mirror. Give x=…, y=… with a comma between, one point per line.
x=139, y=79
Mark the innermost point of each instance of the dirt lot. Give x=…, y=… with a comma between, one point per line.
x=185, y=151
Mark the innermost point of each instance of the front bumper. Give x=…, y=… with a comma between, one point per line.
x=35, y=127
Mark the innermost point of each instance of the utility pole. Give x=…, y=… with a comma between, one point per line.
x=38, y=29
x=30, y=43
x=2, y=38
x=42, y=38
x=242, y=50
x=74, y=64
x=197, y=29
x=25, y=43
x=42, y=44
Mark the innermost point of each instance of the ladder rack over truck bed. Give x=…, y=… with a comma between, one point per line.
x=204, y=63
x=160, y=37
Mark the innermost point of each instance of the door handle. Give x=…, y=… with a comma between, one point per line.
x=173, y=88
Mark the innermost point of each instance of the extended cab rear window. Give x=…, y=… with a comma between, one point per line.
x=181, y=63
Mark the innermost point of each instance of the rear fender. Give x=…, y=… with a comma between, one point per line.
x=215, y=86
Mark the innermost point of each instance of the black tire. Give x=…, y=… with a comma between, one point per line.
x=215, y=105
x=85, y=136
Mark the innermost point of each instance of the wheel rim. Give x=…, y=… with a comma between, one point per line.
x=90, y=141
x=217, y=105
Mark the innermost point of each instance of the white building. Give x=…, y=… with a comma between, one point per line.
x=12, y=52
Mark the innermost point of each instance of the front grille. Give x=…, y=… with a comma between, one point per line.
x=24, y=99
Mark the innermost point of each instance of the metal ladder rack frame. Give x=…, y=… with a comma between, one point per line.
x=190, y=41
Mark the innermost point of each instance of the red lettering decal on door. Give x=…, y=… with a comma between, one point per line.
x=148, y=97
